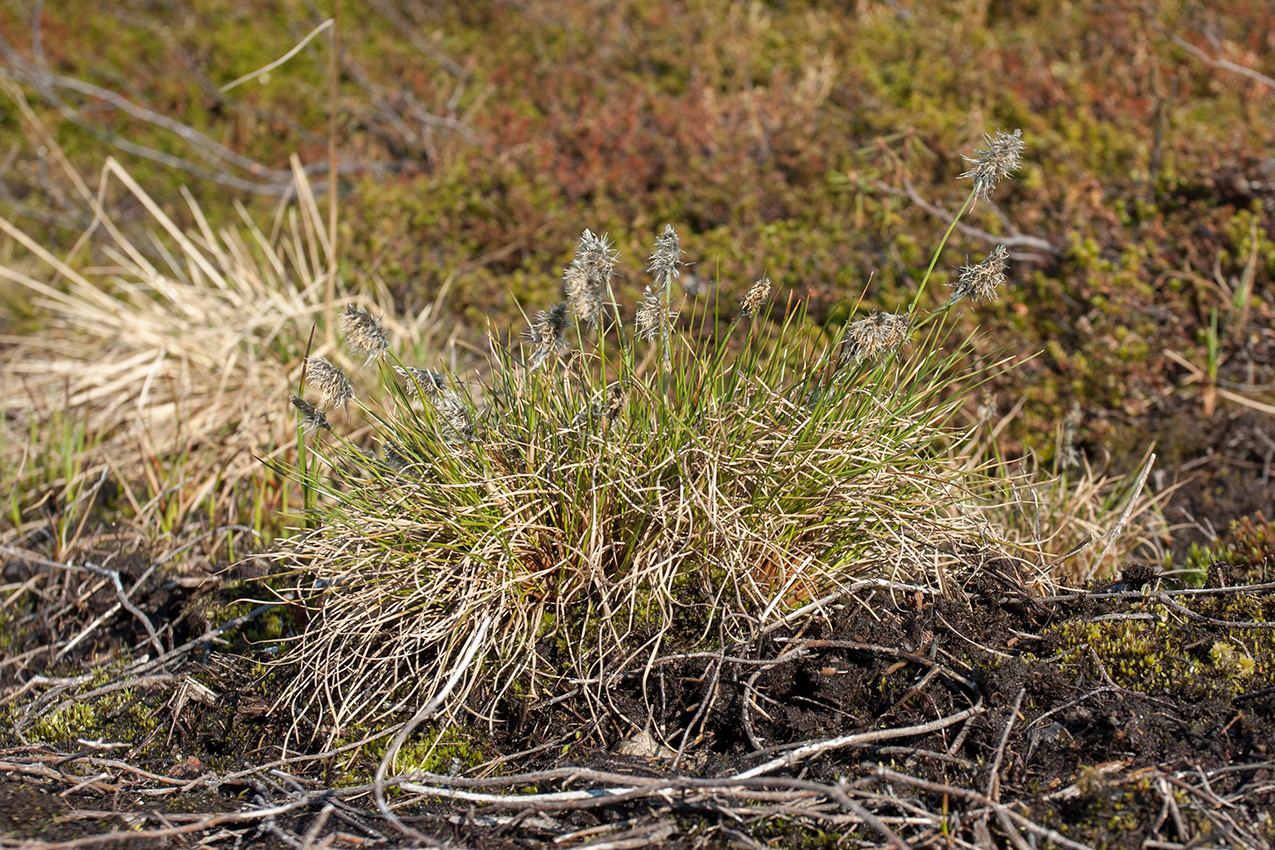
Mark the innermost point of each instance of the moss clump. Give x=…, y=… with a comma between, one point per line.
x=443, y=750
x=1173, y=654
x=1244, y=554
x=1105, y=813
x=121, y=715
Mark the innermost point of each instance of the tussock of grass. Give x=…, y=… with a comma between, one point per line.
x=613, y=494
x=595, y=526
x=605, y=495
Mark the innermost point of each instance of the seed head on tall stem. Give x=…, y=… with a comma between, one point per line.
x=995, y=162
x=597, y=256
x=650, y=314
x=583, y=294
x=422, y=381
x=755, y=298
x=589, y=276
x=992, y=164
x=877, y=335
x=654, y=314
x=978, y=282
x=331, y=382
x=312, y=418
x=363, y=333
x=547, y=335
x=664, y=259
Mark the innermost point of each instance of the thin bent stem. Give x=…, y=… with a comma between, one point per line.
x=916, y=300
x=666, y=319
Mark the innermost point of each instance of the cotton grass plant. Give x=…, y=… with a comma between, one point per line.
x=612, y=493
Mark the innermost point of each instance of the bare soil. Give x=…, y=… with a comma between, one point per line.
x=1098, y=753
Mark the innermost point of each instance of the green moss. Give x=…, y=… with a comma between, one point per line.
x=439, y=750
x=1109, y=813
x=1182, y=656
x=121, y=715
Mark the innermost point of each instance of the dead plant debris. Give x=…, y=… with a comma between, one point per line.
x=878, y=717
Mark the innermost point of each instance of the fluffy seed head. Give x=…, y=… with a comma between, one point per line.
x=312, y=418
x=650, y=314
x=455, y=422
x=755, y=298
x=978, y=282
x=363, y=332
x=880, y=333
x=330, y=381
x=664, y=260
x=596, y=256
x=583, y=294
x=547, y=335
x=429, y=383
x=995, y=162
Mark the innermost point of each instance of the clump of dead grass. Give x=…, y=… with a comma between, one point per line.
x=169, y=347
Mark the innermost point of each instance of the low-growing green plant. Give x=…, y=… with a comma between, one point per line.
x=54, y=474
x=611, y=493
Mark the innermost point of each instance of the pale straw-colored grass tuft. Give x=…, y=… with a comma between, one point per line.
x=611, y=512
x=172, y=339
x=591, y=521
